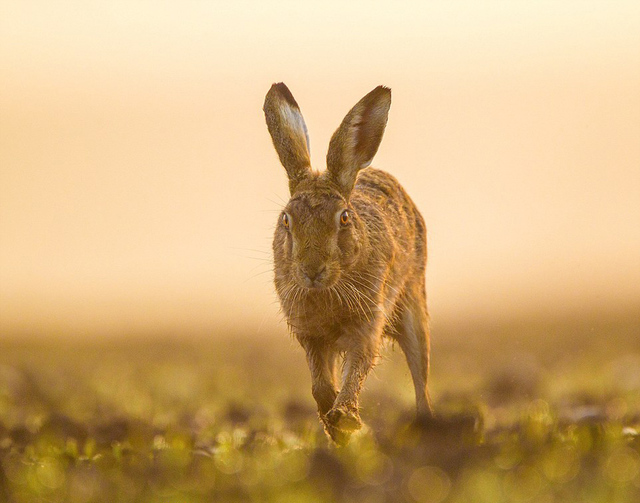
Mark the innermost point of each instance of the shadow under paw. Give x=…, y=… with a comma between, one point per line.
x=446, y=431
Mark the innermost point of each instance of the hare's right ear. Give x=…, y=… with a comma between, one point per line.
x=288, y=132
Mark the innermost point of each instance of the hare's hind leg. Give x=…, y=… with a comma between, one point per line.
x=412, y=334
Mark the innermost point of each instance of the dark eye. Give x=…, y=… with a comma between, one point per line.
x=344, y=217
x=285, y=220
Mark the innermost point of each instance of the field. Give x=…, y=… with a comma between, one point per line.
x=539, y=412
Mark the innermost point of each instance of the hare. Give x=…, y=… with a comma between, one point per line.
x=349, y=258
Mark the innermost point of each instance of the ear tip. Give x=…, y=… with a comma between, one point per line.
x=383, y=91
x=381, y=94
x=278, y=86
x=281, y=91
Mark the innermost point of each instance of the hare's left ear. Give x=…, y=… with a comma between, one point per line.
x=356, y=141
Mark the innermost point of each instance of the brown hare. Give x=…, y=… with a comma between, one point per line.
x=349, y=257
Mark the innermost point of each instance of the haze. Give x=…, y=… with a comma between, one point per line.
x=139, y=187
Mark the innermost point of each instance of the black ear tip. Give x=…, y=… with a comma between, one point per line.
x=380, y=96
x=383, y=92
x=280, y=89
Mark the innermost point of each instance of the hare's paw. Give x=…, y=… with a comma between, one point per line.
x=340, y=437
x=344, y=418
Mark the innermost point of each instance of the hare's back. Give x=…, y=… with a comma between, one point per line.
x=383, y=202
x=378, y=188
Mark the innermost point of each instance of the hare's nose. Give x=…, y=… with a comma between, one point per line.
x=312, y=275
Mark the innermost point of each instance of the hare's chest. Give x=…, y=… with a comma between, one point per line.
x=323, y=320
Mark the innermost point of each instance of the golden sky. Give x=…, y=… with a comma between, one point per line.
x=139, y=187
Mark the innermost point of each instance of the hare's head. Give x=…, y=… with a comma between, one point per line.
x=319, y=235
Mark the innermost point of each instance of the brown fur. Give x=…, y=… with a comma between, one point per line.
x=342, y=287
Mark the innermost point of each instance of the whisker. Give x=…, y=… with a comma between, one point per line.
x=383, y=284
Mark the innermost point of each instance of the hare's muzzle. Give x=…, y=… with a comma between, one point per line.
x=314, y=276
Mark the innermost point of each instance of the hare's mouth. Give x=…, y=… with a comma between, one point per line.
x=317, y=280
x=317, y=284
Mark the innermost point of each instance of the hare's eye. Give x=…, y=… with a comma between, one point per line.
x=285, y=220
x=344, y=217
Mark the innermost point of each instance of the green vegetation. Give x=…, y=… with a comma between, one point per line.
x=525, y=414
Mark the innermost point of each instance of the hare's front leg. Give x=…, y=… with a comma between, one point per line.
x=359, y=360
x=321, y=360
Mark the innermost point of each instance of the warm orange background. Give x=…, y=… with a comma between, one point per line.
x=139, y=188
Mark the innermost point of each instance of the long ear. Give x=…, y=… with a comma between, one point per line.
x=356, y=141
x=288, y=132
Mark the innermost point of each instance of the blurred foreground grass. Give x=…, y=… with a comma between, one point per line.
x=530, y=412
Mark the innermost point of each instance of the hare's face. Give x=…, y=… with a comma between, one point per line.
x=321, y=238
